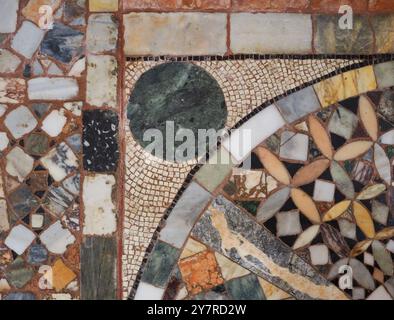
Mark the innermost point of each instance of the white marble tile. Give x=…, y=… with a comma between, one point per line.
x=253, y=132
x=52, y=88
x=27, y=40
x=288, y=223
x=146, y=291
x=20, y=122
x=347, y=228
x=294, y=146
x=19, y=239
x=54, y=123
x=319, y=254
x=324, y=191
x=100, y=214
x=56, y=238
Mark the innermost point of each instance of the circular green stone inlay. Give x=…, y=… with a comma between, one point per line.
x=182, y=93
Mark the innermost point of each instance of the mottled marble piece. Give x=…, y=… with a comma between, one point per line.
x=331, y=39
x=22, y=201
x=63, y=43
x=102, y=33
x=12, y=90
x=19, y=164
x=160, y=264
x=224, y=228
x=60, y=161
x=20, y=121
x=385, y=74
x=294, y=146
x=298, y=104
x=245, y=288
x=58, y=200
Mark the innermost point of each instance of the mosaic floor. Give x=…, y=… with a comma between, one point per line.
x=298, y=187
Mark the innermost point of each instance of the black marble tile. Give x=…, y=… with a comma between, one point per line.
x=100, y=141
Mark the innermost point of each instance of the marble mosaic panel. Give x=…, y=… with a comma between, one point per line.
x=88, y=211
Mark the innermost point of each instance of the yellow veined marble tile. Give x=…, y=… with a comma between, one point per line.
x=103, y=5
x=345, y=85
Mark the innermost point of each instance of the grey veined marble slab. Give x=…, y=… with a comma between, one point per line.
x=184, y=214
x=230, y=232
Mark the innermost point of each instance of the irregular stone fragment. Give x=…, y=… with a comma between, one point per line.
x=19, y=164
x=18, y=273
x=8, y=61
x=4, y=141
x=386, y=105
x=12, y=90
x=56, y=238
x=22, y=201
x=343, y=123
x=37, y=144
x=63, y=43
x=100, y=214
x=60, y=161
x=200, y=272
x=245, y=288
x=294, y=146
x=27, y=40
x=4, y=223
x=61, y=275
x=382, y=26
x=58, y=200
x=72, y=184
x=37, y=254
x=229, y=269
x=74, y=12
x=20, y=296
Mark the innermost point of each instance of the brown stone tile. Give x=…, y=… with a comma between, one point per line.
x=167, y=5
x=381, y=6
x=271, y=5
x=332, y=6
x=200, y=272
